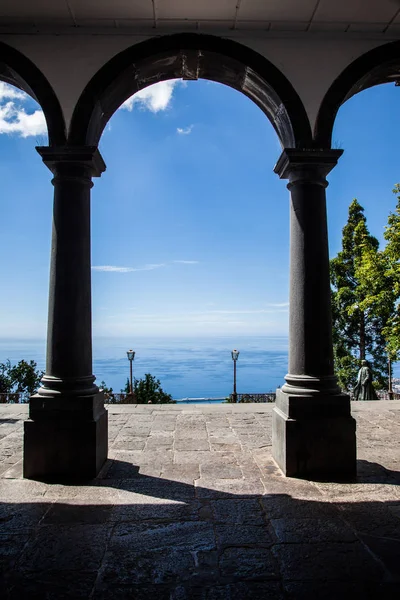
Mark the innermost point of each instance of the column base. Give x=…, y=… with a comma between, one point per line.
x=66, y=438
x=314, y=437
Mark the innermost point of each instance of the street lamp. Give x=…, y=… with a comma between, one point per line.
x=131, y=356
x=235, y=356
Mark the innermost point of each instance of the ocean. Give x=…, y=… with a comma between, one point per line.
x=199, y=368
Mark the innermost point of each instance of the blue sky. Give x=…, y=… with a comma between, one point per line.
x=190, y=226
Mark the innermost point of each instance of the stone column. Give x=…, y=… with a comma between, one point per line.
x=313, y=432
x=66, y=434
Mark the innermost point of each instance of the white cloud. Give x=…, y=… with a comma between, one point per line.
x=149, y=267
x=113, y=269
x=10, y=92
x=260, y=311
x=13, y=117
x=280, y=304
x=186, y=262
x=155, y=97
x=185, y=130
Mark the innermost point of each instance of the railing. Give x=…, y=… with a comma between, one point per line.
x=119, y=398
x=383, y=395
x=14, y=398
x=244, y=398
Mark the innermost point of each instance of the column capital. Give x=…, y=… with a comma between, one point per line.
x=88, y=157
x=306, y=165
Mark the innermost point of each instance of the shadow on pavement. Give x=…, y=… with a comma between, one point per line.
x=128, y=535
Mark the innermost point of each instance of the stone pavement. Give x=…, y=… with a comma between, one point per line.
x=191, y=506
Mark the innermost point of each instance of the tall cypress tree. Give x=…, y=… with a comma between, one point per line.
x=391, y=256
x=358, y=321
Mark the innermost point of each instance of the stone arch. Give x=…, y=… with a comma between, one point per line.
x=190, y=56
x=380, y=65
x=19, y=71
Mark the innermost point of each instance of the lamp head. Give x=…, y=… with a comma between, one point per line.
x=130, y=354
x=235, y=354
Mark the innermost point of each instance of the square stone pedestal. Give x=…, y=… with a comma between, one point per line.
x=66, y=438
x=314, y=437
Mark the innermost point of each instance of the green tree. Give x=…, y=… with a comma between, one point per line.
x=360, y=308
x=391, y=257
x=5, y=379
x=22, y=378
x=127, y=388
x=108, y=392
x=149, y=391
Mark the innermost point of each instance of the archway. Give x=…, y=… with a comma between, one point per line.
x=19, y=71
x=190, y=56
x=380, y=65
x=313, y=432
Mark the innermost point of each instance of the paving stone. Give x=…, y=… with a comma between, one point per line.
x=158, y=509
x=297, y=488
x=280, y=506
x=183, y=473
x=119, y=469
x=248, y=563
x=156, y=487
x=190, y=434
x=354, y=492
x=21, y=489
x=193, y=457
x=66, y=547
x=73, y=512
x=373, y=518
x=52, y=585
x=266, y=590
x=132, y=592
x=139, y=566
x=245, y=511
x=222, y=488
x=233, y=534
x=312, y=530
x=152, y=458
x=138, y=444
x=220, y=471
x=128, y=537
x=332, y=590
x=163, y=426
x=387, y=551
x=336, y=561
x=11, y=547
x=21, y=518
x=191, y=444
x=224, y=446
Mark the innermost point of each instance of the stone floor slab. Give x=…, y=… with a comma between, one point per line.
x=191, y=506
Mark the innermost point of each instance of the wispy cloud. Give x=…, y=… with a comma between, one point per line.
x=13, y=117
x=279, y=304
x=114, y=269
x=155, y=97
x=186, y=262
x=148, y=267
x=260, y=311
x=184, y=130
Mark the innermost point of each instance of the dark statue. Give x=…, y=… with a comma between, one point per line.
x=364, y=390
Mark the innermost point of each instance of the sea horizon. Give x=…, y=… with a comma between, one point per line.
x=187, y=366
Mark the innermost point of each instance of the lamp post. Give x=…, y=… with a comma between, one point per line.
x=235, y=356
x=131, y=356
